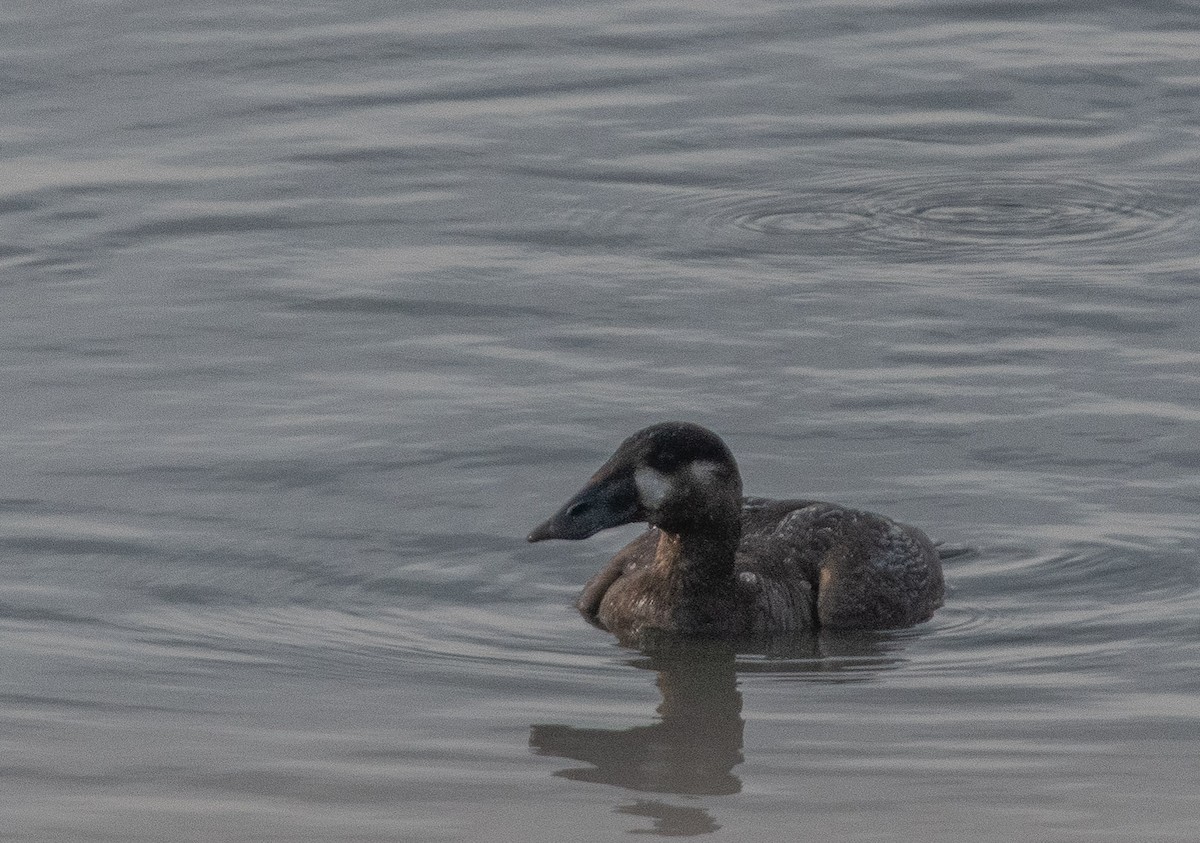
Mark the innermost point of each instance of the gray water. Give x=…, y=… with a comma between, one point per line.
x=312, y=310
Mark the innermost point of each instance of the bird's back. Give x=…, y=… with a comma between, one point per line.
x=864, y=571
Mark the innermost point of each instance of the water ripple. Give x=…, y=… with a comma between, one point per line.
x=1022, y=212
x=923, y=217
x=484, y=640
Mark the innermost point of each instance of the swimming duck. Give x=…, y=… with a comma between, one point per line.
x=715, y=564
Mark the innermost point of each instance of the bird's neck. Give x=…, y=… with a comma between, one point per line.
x=695, y=557
x=698, y=570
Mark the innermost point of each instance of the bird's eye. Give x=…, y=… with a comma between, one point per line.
x=666, y=461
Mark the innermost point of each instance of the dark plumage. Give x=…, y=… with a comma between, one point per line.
x=715, y=564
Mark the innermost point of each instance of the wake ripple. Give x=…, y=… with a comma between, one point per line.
x=924, y=217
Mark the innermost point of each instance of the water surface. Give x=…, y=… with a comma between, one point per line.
x=312, y=311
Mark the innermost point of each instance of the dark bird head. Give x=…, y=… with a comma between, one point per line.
x=677, y=476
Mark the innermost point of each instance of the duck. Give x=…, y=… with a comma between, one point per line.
x=713, y=563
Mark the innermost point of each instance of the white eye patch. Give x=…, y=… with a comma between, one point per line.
x=652, y=486
x=703, y=471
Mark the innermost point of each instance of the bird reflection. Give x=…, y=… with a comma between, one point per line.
x=671, y=820
x=697, y=742
x=692, y=749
